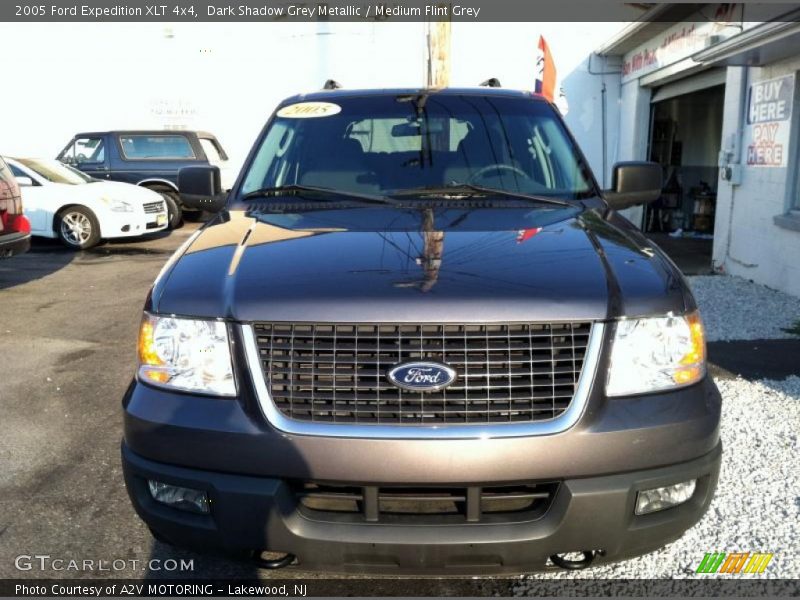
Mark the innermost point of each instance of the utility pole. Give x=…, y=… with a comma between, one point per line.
x=438, y=55
x=438, y=75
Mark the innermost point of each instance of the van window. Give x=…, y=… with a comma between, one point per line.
x=84, y=150
x=212, y=153
x=156, y=147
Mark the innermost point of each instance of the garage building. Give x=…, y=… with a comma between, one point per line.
x=710, y=92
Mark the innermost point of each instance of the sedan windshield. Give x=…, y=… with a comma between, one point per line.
x=425, y=143
x=55, y=172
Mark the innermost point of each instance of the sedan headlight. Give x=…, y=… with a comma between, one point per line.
x=186, y=354
x=648, y=355
x=118, y=205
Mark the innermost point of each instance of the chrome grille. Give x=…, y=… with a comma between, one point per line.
x=154, y=207
x=336, y=373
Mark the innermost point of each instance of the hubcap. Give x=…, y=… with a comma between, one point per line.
x=76, y=228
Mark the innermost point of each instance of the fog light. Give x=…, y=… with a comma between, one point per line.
x=195, y=501
x=648, y=501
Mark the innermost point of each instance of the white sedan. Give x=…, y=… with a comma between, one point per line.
x=64, y=203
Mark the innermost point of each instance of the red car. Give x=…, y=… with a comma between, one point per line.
x=15, y=230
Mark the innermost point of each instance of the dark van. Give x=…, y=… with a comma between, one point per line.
x=151, y=159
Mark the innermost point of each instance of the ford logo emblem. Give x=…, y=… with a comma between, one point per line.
x=421, y=376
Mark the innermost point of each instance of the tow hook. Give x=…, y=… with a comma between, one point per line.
x=277, y=560
x=560, y=560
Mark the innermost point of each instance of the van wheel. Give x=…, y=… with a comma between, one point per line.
x=77, y=228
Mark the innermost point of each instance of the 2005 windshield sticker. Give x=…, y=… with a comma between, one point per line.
x=309, y=110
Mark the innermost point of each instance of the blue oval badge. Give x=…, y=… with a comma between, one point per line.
x=421, y=376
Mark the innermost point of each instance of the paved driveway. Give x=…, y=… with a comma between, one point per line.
x=68, y=325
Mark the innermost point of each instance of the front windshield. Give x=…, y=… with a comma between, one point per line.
x=56, y=172
x=389, y=144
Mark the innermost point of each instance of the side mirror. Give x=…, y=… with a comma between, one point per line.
x=201, y=188
x=24, y=181
x=634, y=183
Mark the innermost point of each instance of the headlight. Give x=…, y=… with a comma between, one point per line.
x=186, y=354
x=118, y=205
x=649, y=355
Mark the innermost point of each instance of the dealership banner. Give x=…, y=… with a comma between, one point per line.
x=383, y=10
x=769, y=116
x=710, y=25
x=314, y=587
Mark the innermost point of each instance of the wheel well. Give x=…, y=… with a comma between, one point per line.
x=64, y=209
x=158, y=186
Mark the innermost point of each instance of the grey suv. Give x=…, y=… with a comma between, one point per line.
x=417, y=337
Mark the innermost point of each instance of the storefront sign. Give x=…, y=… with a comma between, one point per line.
x=173, y=113
x=711, y=25
x=769, y=112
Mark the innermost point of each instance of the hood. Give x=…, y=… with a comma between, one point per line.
x=412, y=265
x=112, y=190
x=122, y=191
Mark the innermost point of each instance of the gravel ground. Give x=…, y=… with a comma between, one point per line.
x=737, y=309
x=757, y=503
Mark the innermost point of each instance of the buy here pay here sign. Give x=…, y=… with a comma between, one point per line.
x=769, y=120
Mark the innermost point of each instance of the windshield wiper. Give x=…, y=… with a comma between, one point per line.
x=475, y=190
x=295, y=188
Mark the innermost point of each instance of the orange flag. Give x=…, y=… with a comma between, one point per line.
x=545, y=71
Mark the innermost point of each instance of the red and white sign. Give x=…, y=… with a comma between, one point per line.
x=710, y=25
x=769, y=112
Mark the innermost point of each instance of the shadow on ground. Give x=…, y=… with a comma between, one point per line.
x=754, y=360
x=40, y=261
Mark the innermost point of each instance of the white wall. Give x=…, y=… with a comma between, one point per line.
x=227, y=78
x=747, y=242
x=223, y=78
x=508, y=51
x=634, y=131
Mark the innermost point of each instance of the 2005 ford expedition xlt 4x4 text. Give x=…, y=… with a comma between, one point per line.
x=418, y=338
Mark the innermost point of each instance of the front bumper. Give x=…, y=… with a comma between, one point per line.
x=261, y=513
x=131, y=224
x=231, y=449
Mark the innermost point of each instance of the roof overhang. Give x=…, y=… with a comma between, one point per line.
x=758, y=46
x=656, y=20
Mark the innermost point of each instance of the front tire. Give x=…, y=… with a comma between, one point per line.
x=174, y=211
x=77, y=228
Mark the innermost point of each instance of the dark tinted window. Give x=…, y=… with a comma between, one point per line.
x=387, y=144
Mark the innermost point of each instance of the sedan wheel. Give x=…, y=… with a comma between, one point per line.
x=77, y=228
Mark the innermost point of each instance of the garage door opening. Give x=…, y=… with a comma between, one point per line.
x=685, y=139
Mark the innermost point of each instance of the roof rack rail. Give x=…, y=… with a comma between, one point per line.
x=491, y=82
x=332, y=84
